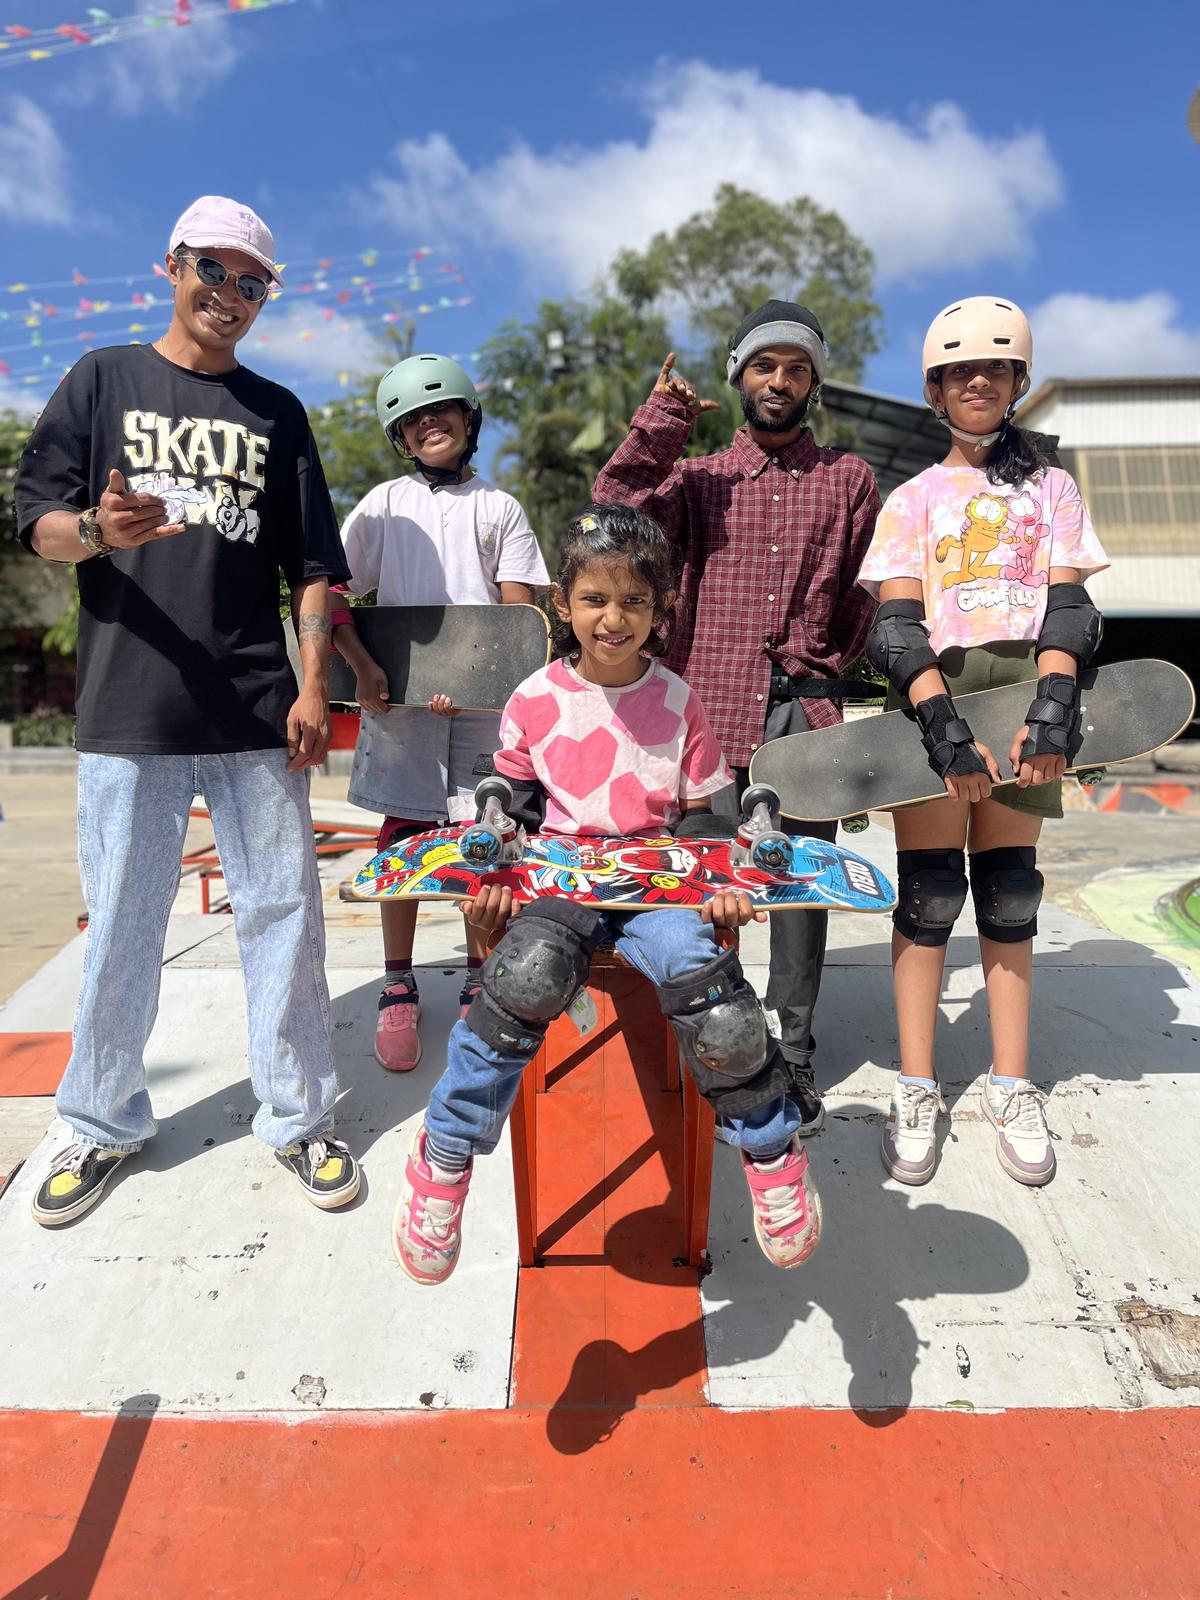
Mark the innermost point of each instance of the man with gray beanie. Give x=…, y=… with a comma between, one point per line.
x=769, y=536
x=179, y=484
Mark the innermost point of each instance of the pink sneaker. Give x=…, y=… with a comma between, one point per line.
x=787, y=1208
x=397, y=1042
x=427, y=1225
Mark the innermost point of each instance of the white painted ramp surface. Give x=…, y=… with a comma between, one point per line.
x=205, y=1276
x=974, y=1291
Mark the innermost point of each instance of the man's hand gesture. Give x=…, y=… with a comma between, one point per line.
x=126, y=519
x=680, y=389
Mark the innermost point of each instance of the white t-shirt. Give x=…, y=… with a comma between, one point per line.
x=452, y=546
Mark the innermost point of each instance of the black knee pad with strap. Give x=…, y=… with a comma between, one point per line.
x=933, y=890
x=533, y=973
x=722, y=1033
x=1007, y=889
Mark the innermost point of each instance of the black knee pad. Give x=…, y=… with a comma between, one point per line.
x=1007, y=889
x=722, y=1033
x=533, y=973
x=933, y=890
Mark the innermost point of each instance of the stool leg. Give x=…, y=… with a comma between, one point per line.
x=699, y=1129
x=522, y=1131
x=672, y=1058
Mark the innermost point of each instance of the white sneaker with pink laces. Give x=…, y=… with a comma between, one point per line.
x=427, y=1225
x=397, y=1042
x=787, y=1207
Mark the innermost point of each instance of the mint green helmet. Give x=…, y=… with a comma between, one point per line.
x=416, y=381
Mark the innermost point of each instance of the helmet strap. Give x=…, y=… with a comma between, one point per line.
x=981, y=441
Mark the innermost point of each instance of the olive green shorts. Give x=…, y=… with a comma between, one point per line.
x=991, y=666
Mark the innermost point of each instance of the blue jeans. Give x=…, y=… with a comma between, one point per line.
x=133, y=815
x=475, y=1094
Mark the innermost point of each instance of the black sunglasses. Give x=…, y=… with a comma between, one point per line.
x=213, y=274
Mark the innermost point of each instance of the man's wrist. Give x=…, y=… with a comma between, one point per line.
x=91, y=535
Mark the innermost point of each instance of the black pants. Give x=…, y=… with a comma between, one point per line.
x=797, y=941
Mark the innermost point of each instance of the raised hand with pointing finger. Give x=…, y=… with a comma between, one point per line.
x=680, y=389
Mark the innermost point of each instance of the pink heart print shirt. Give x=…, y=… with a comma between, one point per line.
x=613, y=762
x=982, y=551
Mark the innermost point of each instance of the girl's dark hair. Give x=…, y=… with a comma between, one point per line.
x=1015, y=455
x=618, y=535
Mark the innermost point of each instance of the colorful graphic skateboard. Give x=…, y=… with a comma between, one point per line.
x=628, y=874
x=1129, y=709
x=475, y=654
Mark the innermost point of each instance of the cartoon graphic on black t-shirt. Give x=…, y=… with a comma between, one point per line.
x=187, y=452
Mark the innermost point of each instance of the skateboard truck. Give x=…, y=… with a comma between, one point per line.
x=760, y=843
x=495, y=839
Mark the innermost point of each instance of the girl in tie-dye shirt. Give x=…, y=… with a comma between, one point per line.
x=607, y=741
x=978, y=563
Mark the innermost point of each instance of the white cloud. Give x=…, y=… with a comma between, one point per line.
x=928, y=194
x=19, y=397
x=1087, y=336
x=34, y=181
x=166, y=67
x=303, y=346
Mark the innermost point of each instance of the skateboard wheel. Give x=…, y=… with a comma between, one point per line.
x=495, y=788
x=759, y=794
x=481, y=846
x=858, y=824
x=1090, y=778
x=772, y=852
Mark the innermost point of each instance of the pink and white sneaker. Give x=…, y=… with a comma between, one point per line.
x=397, y=1042
x=787, y=1207
x=427, y=1225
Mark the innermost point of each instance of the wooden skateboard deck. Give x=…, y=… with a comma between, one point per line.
x=475, y=654
x=1129, y=709
x=627, y=874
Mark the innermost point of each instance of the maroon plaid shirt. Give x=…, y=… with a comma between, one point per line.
x=769, y=549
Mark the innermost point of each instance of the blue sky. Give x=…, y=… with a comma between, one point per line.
x=1039, y=151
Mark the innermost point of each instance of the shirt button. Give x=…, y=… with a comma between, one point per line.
x=774, y=548
x=754, y=747
x=758, y=697
x=795, y=472
x=770, y=597
x=774, y=497
x=775, y=459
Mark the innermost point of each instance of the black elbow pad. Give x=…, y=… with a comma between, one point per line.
x=898, y=643
x=1072, y=623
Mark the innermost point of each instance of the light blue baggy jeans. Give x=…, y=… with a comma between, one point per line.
x=133, y=815
x=475, y=1094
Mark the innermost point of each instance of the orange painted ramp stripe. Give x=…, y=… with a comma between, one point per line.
x=684, y=1503
x=610, y=1318
x=32, y=1063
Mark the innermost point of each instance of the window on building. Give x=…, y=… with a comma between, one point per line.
x=1143, y=501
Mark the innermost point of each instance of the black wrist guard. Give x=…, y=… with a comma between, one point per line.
x=948, y=739
x=1071, y=624
x=898, y=643
x=1054, y=719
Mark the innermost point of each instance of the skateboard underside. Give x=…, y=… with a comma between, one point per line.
x=627, y=874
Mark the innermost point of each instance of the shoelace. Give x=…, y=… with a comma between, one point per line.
x=920, y=1105
x=1022, y=1109
x=318, y=1151
x=71, y=1159
x=782, y=1208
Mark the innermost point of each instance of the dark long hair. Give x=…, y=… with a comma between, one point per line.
x=618, y=535
x=1015, y=456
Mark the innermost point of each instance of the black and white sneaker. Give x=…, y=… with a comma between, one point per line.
x=77, y=1178
x=806, y=1097
x=324, y=1169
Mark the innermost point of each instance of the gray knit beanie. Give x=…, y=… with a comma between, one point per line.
x=777, y=322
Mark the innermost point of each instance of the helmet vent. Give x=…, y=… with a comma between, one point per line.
x=952, y=344
x=1001, y=339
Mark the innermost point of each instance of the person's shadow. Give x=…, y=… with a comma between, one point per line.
x=72, y=1575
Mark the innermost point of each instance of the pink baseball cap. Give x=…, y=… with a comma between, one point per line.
x=215, y=223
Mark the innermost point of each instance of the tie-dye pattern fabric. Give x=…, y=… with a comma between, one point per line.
x=982, y=551
x=611, y=761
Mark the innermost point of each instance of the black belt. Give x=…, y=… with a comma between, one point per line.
x=813, y=688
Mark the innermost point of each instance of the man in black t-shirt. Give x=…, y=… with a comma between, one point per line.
x=181, y=484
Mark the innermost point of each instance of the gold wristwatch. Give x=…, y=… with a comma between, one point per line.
x=90, y=536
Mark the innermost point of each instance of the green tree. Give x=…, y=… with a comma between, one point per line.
x=354, y=452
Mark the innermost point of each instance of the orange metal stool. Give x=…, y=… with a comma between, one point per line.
x=697, y=1115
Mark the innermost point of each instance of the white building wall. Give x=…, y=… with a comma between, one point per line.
x=1134, y=414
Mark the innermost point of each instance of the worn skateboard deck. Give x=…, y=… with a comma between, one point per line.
x=475, y=654
x=627, y=874
x=1129, y=709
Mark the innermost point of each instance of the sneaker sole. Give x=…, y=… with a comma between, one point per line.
x=912, y=1180
x=1030, y=1180
x=405, y=1265
x=807, y=1129
x=56, y=1219
x=336, y=1200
